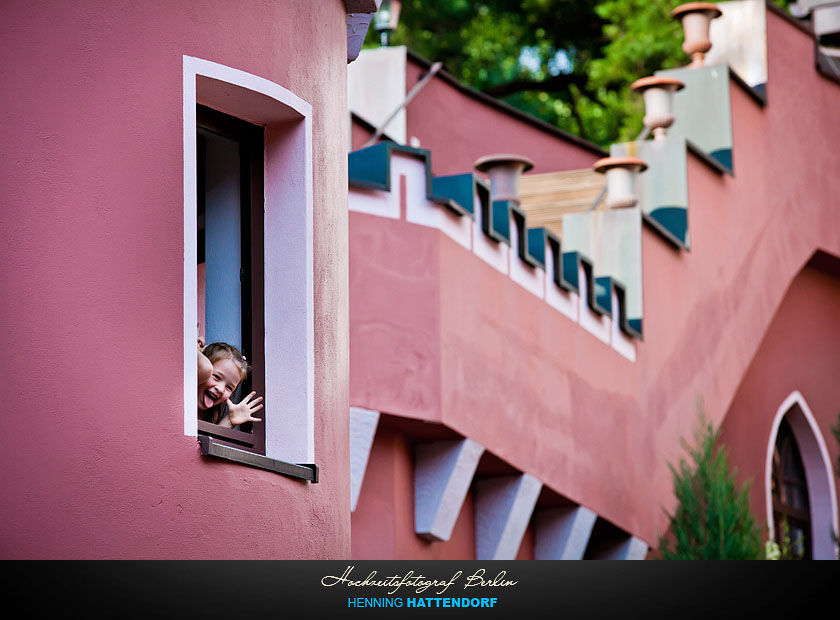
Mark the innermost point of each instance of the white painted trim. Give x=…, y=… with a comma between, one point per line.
x=532, y=279
x=820, y=483
x=503, y=510
x=376, y=202
x=443, y=473
x=363, y=423
x=635, y=549
x=289, y=286
x=596, y=324
x=565, y=302
x=493, y=253
x=190, y=250
x=562, y=533
x=621, y=342
x=419, y=209
x=629, y=548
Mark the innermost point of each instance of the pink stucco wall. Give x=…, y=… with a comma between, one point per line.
x=539, y=391
x=92, y=246
x=454, y=126
x=383, y=522
x=799, y=353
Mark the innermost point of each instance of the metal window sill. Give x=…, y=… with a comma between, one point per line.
x=210, y=447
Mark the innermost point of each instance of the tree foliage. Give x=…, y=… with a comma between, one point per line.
x=712, y=520
x=569, y=62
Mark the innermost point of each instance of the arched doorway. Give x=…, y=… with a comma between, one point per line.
x=800, y=482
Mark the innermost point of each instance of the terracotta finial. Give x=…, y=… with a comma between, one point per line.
x=658, y=95
x=696, y=18
x=504, y=171
x=621, y=179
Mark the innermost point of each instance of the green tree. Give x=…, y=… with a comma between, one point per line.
x=712, y=520
x=525, y=52
x=568, y=62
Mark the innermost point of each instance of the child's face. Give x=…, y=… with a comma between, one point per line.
x=221, y=384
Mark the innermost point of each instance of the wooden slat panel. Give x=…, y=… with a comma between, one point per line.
x=547, y=197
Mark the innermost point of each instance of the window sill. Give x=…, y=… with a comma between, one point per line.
x=210, y=447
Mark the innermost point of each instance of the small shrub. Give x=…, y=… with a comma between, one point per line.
x=712, y=520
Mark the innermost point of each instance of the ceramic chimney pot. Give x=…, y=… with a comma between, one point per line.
x=504, y=171
x=658, y=93
x=621, y=179
x=695, y=18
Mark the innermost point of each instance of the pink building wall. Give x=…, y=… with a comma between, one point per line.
x=799, y=353
x=502, y=368
x=459, y=128
x=98, y=465
x=383, y=523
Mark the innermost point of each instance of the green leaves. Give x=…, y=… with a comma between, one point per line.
x=526, y=52
x=568, y=62
x=712, y=520
x=642, y=39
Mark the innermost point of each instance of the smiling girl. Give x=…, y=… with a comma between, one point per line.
x=229, y=369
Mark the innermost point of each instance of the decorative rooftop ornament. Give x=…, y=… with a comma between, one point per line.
x=658, y=95
x=621, y=179
x=695, y=18
x=357, y=27
x=504, y=171
x=386, y=19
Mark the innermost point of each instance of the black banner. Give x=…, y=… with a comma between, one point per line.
x=348, y=589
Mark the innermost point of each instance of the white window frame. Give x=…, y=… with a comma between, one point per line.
x=289, y=296
x=819, y=475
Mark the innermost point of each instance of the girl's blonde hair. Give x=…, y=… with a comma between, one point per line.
x=221, y=350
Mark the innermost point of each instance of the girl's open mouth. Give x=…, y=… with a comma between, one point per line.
x=207, y=399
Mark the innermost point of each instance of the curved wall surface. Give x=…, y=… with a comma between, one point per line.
x=798, y=356
x=93, y=253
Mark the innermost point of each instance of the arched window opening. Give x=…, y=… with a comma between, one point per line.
x=790, y=495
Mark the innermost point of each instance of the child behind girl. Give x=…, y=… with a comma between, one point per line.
x=229, y=369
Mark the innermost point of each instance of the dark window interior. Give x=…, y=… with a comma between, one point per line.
x=790, y=494
x=230, y=250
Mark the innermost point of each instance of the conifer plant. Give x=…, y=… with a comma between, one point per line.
x=712, y=520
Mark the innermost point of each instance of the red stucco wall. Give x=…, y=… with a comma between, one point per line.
x=92, y=247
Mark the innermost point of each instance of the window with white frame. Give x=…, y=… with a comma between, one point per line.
x=254, y=138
